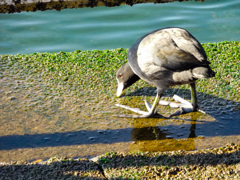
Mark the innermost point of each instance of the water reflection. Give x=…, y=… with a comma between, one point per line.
x=161, y=139
x=147, y=134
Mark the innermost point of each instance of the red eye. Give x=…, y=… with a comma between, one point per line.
x=120, y=75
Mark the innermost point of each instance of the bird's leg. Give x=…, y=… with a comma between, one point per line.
x=154, y=106
x=186, y=107
x=194, y=99
x=194, y=96
x=144, y=114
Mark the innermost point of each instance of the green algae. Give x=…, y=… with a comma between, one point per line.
x=95, y=70
x=75, y=91
x=224, y=57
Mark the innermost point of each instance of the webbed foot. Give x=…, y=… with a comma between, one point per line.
x=184, y=106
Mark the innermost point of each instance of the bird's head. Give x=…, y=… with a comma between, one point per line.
x=125, y=78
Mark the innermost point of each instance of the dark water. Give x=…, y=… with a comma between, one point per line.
x=108, y=28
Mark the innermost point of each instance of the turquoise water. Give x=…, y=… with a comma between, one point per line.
x=109, y=28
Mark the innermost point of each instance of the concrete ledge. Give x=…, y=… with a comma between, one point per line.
x=13, y=6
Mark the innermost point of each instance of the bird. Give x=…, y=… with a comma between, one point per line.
x=164, y=57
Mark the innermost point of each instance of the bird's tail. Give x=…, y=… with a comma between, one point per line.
x=203, y=72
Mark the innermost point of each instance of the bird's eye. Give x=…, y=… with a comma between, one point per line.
x=120, y=75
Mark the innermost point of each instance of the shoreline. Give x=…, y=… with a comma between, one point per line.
x=219, y=163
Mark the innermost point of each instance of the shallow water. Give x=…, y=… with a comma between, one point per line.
x=38, y=122
x=109, y=28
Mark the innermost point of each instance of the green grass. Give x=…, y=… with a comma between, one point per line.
x=225, y=58
x=84, y=72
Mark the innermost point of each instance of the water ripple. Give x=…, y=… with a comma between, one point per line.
x=108, y=28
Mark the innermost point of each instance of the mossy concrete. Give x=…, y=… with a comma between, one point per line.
x=48, y=100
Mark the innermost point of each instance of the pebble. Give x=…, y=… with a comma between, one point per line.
x=12, y=98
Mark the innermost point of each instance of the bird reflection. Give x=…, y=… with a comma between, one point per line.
x=163, y=138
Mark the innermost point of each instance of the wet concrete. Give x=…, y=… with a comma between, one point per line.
x=39, y=121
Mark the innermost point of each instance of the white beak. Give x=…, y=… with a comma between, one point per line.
x=120, y=89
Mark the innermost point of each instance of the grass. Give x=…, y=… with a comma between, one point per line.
x=85, y=72
x=79, y=70
x=225, y=62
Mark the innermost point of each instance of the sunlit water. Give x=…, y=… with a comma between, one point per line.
x=109, y=28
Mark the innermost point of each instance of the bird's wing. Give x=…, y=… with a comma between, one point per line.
x=186, y=42
x=174, y=49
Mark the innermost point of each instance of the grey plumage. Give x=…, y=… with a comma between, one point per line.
x=168, y=57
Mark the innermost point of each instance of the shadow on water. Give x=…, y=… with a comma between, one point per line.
x=226, y=114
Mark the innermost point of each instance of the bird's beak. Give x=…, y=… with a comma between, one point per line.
x=120, y=89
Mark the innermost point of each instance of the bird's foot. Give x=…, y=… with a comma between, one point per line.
x=182, y=110
x=184, y=106
x=143, y=114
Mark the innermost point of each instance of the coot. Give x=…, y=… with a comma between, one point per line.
x=165, y=57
